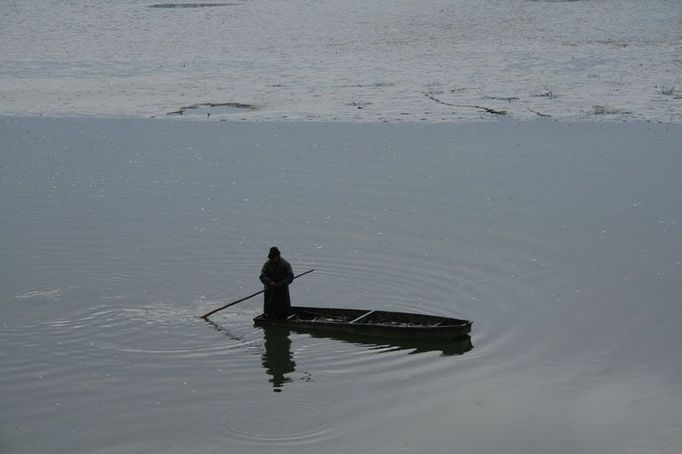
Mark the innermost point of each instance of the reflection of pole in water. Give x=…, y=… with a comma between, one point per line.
x=277, y=358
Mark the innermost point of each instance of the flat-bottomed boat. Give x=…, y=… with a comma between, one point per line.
x=365, y=322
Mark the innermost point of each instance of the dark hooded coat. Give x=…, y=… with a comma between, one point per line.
x=276, y=301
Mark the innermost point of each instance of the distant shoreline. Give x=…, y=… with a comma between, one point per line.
x=236, y=120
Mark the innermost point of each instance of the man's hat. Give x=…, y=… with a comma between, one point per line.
x=274, y=252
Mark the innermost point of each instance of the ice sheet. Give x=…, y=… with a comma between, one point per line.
x=440, y=60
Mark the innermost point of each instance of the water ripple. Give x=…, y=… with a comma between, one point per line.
x=288, y=421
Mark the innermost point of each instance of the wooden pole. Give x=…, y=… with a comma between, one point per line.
x=205, y=316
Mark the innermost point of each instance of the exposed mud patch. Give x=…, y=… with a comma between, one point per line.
x=191, y=5
x=432, y=96
x=608, y=110
x=209, y=109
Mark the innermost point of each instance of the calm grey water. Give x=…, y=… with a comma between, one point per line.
x=562, y=242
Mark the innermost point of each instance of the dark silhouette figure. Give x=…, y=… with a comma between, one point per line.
x=276, y=275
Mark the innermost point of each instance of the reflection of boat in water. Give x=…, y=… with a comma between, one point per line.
x=447, y=348
x=394, y=325
x=279, y=364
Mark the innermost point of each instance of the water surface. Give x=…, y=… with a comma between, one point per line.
x=562, y=242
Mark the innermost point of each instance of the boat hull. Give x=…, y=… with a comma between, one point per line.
x=398, y=325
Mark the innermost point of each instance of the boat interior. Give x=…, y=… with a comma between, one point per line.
x=359, y=316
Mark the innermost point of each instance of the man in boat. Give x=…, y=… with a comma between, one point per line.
x=276, y=275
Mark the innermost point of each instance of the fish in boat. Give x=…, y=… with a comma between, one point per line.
x=365, y=322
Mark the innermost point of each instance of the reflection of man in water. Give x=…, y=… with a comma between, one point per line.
x=276, y=275
x=278, y=359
